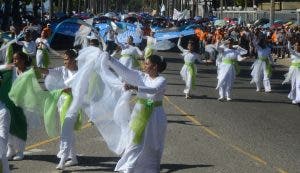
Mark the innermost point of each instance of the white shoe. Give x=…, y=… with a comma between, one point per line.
x=19, y=156
x=258, y=90
x=221, y=98
x=268, y=91
x=294, y=102
x=71, y=162
x=228, y=99
x=10, y=153
x=60, y=167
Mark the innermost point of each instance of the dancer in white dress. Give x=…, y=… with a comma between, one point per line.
x=189, y=69
x=145, y=142
x=228, y=67
x=42, y=56
x=18, y=127
x=262, y=67
x=293, y=76
x=129, y=53
x=87, y=56
x=60, y=78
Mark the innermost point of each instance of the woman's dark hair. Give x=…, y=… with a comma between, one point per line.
x=160, y=62
x=71, y=53
x=25, y=57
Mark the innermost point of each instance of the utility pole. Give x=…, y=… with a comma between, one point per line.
x=272, y=12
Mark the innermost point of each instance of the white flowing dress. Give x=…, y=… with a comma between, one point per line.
x=144, y=157
x=189, y=58
x=293, y=76
x=227, y=71
x=60, y=78
x=259, y=68
x=39, y=52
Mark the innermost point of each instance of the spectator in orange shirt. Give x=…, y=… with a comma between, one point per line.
x=202, y=37
x=47, y=30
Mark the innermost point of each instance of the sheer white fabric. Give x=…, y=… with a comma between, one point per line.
x=112, y=118
x=81, y=36
x=59, y=78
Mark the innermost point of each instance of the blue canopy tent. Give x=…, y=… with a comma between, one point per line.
x=65, y=32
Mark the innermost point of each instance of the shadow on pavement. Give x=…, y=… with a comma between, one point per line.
x=47, y=158
x=182, y=122
x=179, y=167
x=258, y=101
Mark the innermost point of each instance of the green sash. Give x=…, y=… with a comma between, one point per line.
x=65, y=107
x=148, y=51
x=18, y=124
x=268, y=65
x=46, y=60
x=234, y=63
x=192, y=71
x=295, y=65
x=27, y=93
x=134, y=59
x=140, y=121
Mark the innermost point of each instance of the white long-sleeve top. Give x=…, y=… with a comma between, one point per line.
x=189, y=57
x=149, y=88
x=263, y=52
x=227, y=53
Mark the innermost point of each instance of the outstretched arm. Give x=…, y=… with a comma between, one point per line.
x=158, y=87
x=179, y=46
x=132, y=77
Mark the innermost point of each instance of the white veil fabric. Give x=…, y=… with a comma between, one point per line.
x=98, y=91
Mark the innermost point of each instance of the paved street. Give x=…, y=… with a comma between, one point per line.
x=254, y=133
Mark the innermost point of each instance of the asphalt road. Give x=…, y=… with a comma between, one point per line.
x=254, y=133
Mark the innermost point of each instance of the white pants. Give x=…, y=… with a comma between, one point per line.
x=225, y=89
x=265, y=81
x=67, y=135
x=4, y=131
